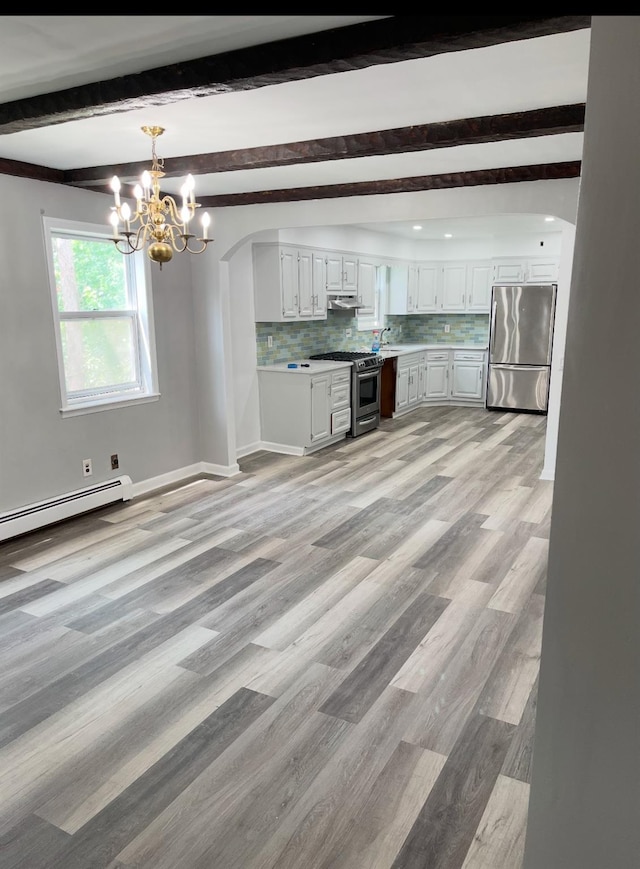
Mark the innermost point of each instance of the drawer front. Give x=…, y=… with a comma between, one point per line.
x=437, y=355
x=408, y=360
x=341, y=420
x=468, y=356
x=341, y=376
x=340, y=395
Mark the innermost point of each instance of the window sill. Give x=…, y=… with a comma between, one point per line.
x=107, y=404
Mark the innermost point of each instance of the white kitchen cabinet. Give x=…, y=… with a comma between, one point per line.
x=479, y=283
x=342, y=273
x=301, y=412
x=436, y=375
x=285, y=281
x=424, y=286
x=319, y=284
x=525, y=270
x=453, y=295
x=409, y=381
x=367, y=285
x=468, y=374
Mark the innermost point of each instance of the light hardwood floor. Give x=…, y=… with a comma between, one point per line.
x=326, y=662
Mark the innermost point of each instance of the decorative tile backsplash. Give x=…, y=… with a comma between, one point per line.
x=429, y=328
x=301, y=339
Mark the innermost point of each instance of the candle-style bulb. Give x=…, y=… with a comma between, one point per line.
x=206, y=220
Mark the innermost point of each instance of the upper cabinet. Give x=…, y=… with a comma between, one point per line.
x=367, y=282
x=525, y=270
x=342, y=274
x=289, y=283
x=441, y=287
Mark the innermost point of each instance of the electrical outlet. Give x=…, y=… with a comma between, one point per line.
x=348, y=333
x=114, y=462
x=87, y=469
x=269, y=340
x=447, y=327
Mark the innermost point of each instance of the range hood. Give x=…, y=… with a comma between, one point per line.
x=342, y=303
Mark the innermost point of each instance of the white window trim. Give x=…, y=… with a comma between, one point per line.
x=144, y=305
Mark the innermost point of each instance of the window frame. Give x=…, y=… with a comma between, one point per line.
x=139, y=313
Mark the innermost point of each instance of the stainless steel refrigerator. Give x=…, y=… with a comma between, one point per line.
x=520, y=343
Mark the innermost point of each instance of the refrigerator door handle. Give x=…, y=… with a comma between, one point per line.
x=503, y=366
x=494, y=312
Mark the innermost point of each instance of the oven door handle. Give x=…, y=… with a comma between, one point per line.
x=367, y=374
x=366, y=419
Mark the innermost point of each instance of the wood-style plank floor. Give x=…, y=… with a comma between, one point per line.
x=326, y=662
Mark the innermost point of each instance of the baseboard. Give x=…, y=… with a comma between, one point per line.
x=151, y=484
x=548, y=474
x=285, y=449
x=248, y=450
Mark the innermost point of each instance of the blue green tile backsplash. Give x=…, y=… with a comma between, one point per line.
x=302, y=339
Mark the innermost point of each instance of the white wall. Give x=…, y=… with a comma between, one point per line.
x=40, y=452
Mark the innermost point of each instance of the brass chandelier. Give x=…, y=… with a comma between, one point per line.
x=157, y=222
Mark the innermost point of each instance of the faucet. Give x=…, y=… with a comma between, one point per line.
x=382, y=331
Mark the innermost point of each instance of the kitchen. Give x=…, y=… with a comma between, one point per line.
x=432, y=311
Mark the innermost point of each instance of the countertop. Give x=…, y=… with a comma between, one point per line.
x=404, y=349
x=316, y=366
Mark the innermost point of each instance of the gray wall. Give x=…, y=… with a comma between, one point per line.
x=585, y=793
x=41, y=453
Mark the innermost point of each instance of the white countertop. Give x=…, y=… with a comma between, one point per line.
x=403, y=349
x=316, y=366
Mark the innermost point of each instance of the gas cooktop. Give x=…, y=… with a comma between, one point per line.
x=360, y=360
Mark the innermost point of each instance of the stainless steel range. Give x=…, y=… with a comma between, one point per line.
x=365, y=388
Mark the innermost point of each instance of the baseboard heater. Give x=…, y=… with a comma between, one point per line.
x=52, y=510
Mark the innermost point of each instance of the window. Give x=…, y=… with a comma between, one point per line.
x=102, y=312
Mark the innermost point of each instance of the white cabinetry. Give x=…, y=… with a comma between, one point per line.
x=342, y=273
x=301, y=412
x=436, y=374
x=409, y=381
x=521, y=270
x=467, y=374
x=441, y=287
x=367, y=284
x=287, y=284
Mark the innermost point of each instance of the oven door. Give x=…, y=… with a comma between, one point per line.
x=366, y=393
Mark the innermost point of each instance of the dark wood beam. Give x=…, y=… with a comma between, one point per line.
x=424, y=137
x=357, y=46
x=30, y=170
x=509, y=175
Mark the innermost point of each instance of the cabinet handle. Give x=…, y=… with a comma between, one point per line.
x=295, y=301
x=435, y=301
x=471, y=300
x=463, y=298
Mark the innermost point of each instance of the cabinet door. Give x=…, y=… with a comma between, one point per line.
x=508, y=271
x=542, y=271
x=334, y=272
x=467, y=380
x=289, y=282
x=320, y=410
x=305, y=284
x=412, y=288
x=319, y=284
x=350, y=275
x=402, y=388
x=398, y=284
x=366, y=287
x=454, y=286
x=427, y=288
x=437, y=381
x=414, y=384
x=479, y=280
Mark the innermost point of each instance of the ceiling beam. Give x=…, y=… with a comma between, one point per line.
x=357, y=46
x=509, y=175
x=424, y=137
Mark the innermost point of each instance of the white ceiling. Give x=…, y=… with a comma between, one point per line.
x=41, y=54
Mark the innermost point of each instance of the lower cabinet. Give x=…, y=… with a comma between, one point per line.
x=467, y=375
x=446, y=376
x=301, y=412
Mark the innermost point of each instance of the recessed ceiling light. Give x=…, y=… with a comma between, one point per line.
x=549, y=219
x=417, y=226
x=448, y=235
